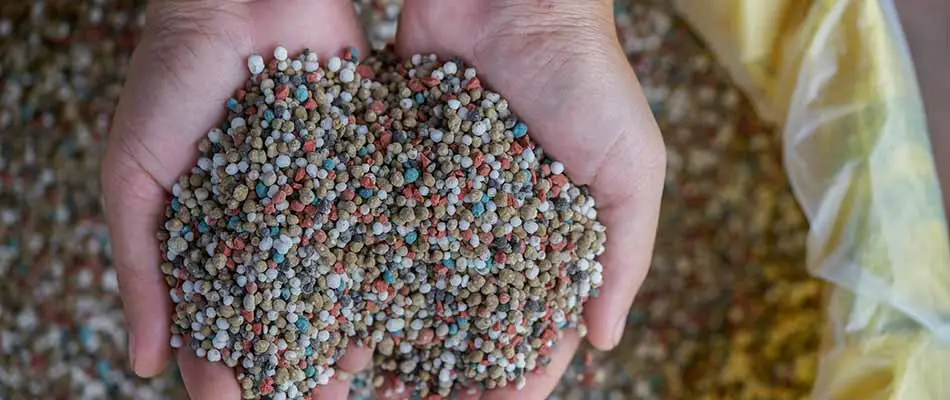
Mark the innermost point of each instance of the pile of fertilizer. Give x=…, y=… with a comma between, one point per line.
x=394, y=203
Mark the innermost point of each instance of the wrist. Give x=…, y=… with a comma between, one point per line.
x=565, y=18
x=559, y=10
x=552, y=5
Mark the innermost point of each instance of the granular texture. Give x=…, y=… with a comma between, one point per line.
x=396, y=202
x=61, y=324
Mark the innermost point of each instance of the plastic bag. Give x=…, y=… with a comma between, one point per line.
x=838, y=75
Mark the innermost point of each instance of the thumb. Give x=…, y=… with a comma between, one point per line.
x=148, y=148
x=133, y=202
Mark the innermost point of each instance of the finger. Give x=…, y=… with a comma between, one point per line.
x=393, y=388
x=626, y=262
x=630, y=213
x=543, y=380
x=356, y=359
x=337, y=389
x=205, y=379
x=133, y=207
x=470, y=394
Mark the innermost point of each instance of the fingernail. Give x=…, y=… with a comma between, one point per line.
x=618, y=330
x=132, y=351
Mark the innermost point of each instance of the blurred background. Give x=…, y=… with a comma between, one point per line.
x=728, y=310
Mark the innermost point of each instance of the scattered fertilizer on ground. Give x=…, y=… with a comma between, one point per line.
x=399, y=203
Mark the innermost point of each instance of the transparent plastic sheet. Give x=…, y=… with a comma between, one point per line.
x=838, y=75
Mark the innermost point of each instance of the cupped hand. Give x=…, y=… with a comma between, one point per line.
x=560, y=65
x=191, y=58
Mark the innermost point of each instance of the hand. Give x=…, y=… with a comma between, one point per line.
x=561, y=67
x=190, y=60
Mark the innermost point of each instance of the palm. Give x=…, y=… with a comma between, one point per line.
x=188, y=63
x=563, y=71
x=183, y=72
x=547, y=70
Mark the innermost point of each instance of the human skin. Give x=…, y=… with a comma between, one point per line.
x=561, y=67
x=559, y=64
x=191, y=57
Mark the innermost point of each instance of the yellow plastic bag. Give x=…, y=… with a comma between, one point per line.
x=838, y=75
